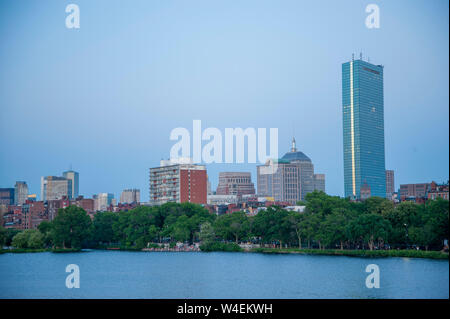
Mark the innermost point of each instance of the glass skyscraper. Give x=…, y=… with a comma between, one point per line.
x=363, y=126
x=74, y=177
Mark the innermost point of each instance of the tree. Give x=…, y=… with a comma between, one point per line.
x=181, y=229
x=103, y=231
x=135, y=225
x=29, y=238
x=370, y=228
x=238, y=225
x=419, y=236
x=222, y=226
x=10, y=233
x=71, y=227
x=20, y=240
x=377, y=205
x=309, y=226
x=35, y=239
x=207, y=234
x=437, y=218
x=294, y=222
x=318, y=202
x=232, y=226
x=270, y=225
x=3, y=236
x=153, y=232
x=334, y=227
x=404, y=216
x=45, y=228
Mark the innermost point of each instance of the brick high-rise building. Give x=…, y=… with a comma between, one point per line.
x=179, y=183
x=33, y=213
x=235, y=183
x=390, y=187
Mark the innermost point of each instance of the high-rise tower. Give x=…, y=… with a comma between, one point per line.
x=363, y=128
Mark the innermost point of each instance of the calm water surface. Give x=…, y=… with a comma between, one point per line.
x=113, y=274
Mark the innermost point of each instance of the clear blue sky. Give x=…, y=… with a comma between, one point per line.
x=105, y=97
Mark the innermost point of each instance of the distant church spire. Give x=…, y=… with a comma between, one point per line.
x=294, y=148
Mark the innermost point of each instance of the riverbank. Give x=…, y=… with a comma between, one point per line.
x=235, y=248
x=40, y=250
x=355, y=253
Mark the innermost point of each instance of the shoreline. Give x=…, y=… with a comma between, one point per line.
x=436, y=255
x=410, y=253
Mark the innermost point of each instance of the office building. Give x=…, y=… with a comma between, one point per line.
x=74, y=177
x=208, y=186
x=235, y=183
x=102, y=201
x=178, y=182
x=319, y=182
x=363, y=128
x=54, y=187
x=290, y=178
x=7, y=196
x=130, y=196
x=20, y=193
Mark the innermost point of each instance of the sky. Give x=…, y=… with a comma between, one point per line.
x=104, y=98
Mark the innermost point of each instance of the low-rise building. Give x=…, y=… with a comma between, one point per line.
x=438, y=191
x=235, y=183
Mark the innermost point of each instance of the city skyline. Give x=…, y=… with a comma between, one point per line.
x=107, y=106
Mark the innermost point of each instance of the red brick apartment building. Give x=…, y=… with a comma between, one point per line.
x=178, y=182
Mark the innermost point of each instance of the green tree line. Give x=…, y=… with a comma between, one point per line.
x=328, y=222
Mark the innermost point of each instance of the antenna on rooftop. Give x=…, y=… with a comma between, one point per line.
x=360, y=55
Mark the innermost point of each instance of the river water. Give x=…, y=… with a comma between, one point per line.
x=121, y=274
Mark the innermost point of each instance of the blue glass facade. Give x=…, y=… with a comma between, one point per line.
x=363, y=128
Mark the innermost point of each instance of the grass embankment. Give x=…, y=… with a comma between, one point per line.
x=216, y=246
x=356, y=253
x=24, y=250
x=39, y=250
x=65, y=250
